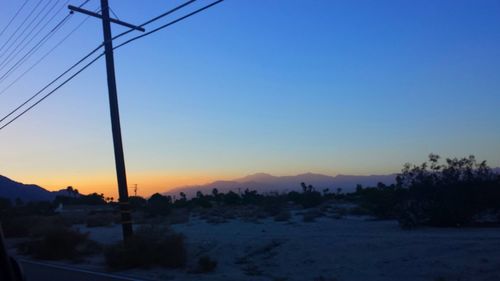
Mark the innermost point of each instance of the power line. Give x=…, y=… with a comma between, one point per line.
x=19, y=27
x=169, y=24
x=13, y=18
x=89, y=54
x=51, y=92
x=45, y=55
x=35, y=48
x=52, y=82
x=114, y=13
x=90, y=63
x=156, y=18
x=17, y=49
x=26, y=27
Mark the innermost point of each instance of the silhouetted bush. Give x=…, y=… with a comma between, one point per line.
x=5, y=204
x=99, y=220
x=178, y=216
x=137, y=203
x=250, y=197
x=311, y=215
x=59, y=242
x=308, y=199
x=206, y=264
x=18, y=226
x=24, y=226
x=159, y=204
x=383, y=201
x=231, y=198
x=150, y=246
x=272, y=204
x=90, y=199
x=284, y=215
x=449, y=194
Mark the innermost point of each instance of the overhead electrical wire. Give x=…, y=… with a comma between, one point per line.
x=33, y=49
x=90, y=63
x=13, y=18
x=52, y=82
x=92, y=52
x=45, y=55
x=51, y=92
x=20, y=26
x=168, y=24
x=26, y=28
x=20, y=45
x=156, y=18
x=38, y=28
x=36, y=47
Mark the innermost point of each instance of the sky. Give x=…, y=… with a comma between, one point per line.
x=277, y=86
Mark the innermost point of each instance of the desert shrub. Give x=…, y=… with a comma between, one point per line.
x=204, y=203
x=159, y=205
x=311, y=215
x=272, y=204
x=80, y=199
x=150, y=246
x=99, y=220
x=449, y=194
x=309, y=198
x=18, y=226
x=284, y=215
x=321, y=278
x=178, y=216
x=250, y=197
x=339, y=212
x=201, y=200
x=137, y=203
x=5, y=204
x=25, y=226
x=383, y=201
x=231, y=198
x=358, y=211
x=72, y=219
x=206, y=264
x=59, y=242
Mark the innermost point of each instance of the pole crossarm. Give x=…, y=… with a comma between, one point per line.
x=90, y=13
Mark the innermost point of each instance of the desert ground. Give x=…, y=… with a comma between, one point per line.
x=351, y=248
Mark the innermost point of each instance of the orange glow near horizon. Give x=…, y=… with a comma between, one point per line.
x=148, y=182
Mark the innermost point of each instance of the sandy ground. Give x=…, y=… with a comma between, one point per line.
x=347, y=249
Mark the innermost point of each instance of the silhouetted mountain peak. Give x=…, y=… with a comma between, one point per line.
x=27, y=192
x=257, y=177
x=263, y=182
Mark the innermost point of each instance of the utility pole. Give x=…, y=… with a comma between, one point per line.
x=126, y=218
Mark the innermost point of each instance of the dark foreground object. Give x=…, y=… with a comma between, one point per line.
x=35, y=271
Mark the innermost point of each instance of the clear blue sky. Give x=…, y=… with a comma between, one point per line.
x=278, y=86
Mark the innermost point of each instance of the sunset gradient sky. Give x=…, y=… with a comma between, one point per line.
x=276, y=86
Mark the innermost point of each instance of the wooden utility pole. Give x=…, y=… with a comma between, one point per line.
x=115, y=114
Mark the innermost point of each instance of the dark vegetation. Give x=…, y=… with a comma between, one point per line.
x=459, y=192
x=150, y=246
x=59, y=242
x=206, y=264
x=456, y=193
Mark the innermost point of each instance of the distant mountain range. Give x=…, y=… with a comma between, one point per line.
x=26, y=192
x=263, y=183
